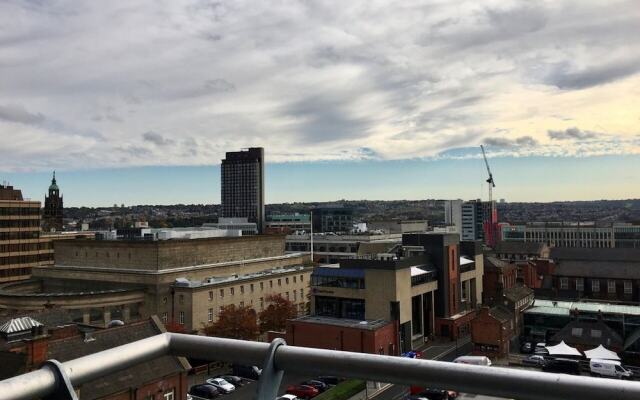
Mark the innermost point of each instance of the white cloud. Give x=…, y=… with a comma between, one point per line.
x=102, y=84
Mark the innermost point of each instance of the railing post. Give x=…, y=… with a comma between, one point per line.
x=64, y=389
x=271, y=377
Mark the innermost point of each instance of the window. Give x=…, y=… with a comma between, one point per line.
x=221, y=292
x=270, y=283
x=164, y=300
x=595, y=286
x=287, y=294
x=576, y=332
x=279, y=282
x=231, y=290
x=210, y=315
x=181, y=299
x=301, y=293
x=169, y=395
x=261, y=285
x=181, y=316
x=628, y=289
x=295, y=295
x=241, y=288
x=286, y=280
x=242, y=304
x=294, y=279
x=580, y=284
x=165, y=318
x=611, y=286
x=261, y=303
x=596, y=333
x=301, y=278
x=210, y=295
x=564, y=283
x=251, y=287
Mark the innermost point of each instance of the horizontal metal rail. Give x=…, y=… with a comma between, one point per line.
x=494, y=381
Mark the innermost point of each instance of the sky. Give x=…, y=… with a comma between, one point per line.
x=136, y=102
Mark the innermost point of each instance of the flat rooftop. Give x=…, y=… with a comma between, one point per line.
x=370, y=325
x=184, y=282
x=563, y=307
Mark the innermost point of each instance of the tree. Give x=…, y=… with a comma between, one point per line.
x=235, y=323
x=174, y=327
x=275, y=316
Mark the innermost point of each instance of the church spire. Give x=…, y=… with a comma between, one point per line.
x=53, y=181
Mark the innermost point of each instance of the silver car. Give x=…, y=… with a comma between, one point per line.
x=221, y=385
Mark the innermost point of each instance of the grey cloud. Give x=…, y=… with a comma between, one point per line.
x=522, y=141
x=156, y=139
x=219, y=85
x=571, y=133
x=564, y=76
x=17, y=113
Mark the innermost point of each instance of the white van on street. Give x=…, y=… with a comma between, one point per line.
x=473, y=360
x=609, y=368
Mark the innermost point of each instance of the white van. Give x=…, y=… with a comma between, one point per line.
x=609, y=368
x=473, y=360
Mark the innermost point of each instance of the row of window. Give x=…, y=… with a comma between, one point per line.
x=19, y=235
x=106, y=254
x=211, y=314
x=8, y=273
x=595, y=285
x=25, y=259
x=252, y=286
x=14, y=248
x=35, y=211
x=19, y=223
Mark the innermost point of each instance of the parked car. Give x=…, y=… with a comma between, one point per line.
x=562, y=365
x=433, y=394
x=287, y=397
x=329, y=380
x=222, y=385
x=526, y=348
x=536, y=359
x=204, y=391
x=232, y=379
x=246, y=371
x=541, y=348
x=609, y=368
x=321, y=386
x=474, y=360
x=412, y=354
x=302, y=391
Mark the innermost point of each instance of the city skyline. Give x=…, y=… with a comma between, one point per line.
x=563, y=179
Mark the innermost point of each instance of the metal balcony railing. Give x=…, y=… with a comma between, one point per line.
x=54, y=380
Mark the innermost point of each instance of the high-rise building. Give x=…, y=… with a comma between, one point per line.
x=242, y=180
x=52, y=217
x=453, y=214
x=21, y=247
x=480, y=221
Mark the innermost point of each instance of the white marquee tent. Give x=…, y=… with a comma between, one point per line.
x=601, y=353
x=563, y=349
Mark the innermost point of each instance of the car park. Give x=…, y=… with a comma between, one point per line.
x=329, y=380
x=321, y=386
x=220, y=384
x=535, y=359
x=232, y=379
x=302, y=391
x=246, y=371
x=287, y=397
x=204, y=391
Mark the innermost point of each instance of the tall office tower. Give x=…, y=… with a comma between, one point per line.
x=480, y=221
x=242, y=179
x=21, y=246
x=453, y=214
x=52, y=218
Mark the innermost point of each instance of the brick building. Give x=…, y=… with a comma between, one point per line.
x=492, y=331
x=163, y=378
x=498, y=276
x=375, y=337
x=611, y=274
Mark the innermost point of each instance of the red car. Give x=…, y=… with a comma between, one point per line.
x=302, y=391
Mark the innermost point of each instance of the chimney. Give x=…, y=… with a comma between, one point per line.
x=37, y=351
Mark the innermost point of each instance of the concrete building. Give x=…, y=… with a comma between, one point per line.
x=331, y=248
x=21, y=247
x=288, y=223
x=235, y=224
x=242, y=181
x=197, y=303
x=53, y=208
x=398, y=226
x=337, y=219
x=575, y=234
x=100, y=280
x=422, y=288
x=453, y=214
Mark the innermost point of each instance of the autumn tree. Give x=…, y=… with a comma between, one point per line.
x=235, y=322
x=275, y=316
x=174, y=327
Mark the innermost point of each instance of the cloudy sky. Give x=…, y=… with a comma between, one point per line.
x=102, y=91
